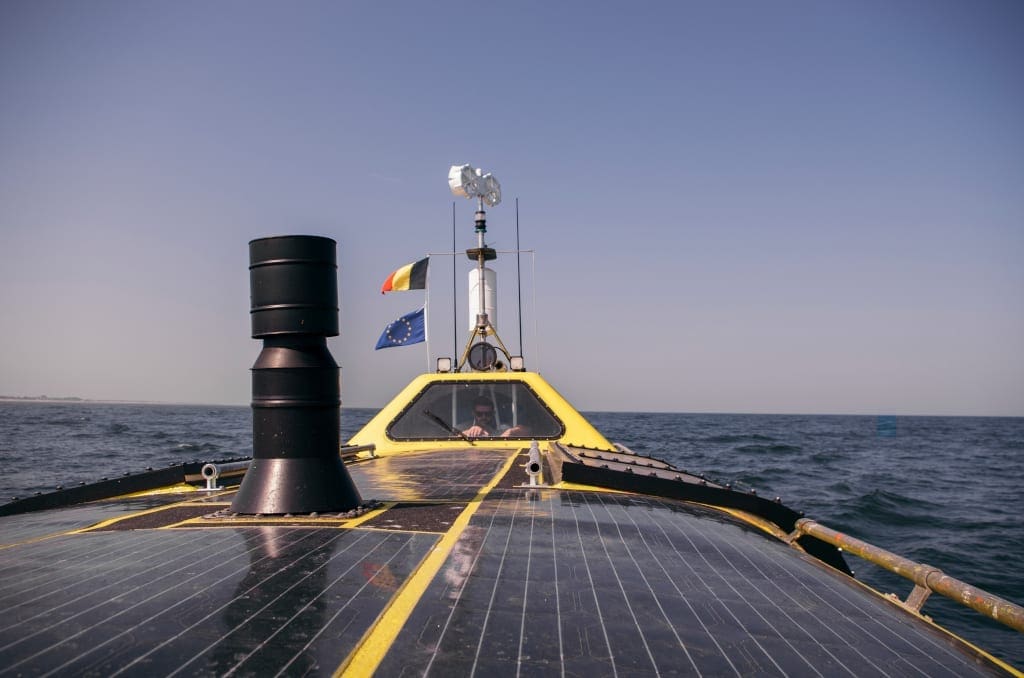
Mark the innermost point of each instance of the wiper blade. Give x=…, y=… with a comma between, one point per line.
x=446, y=426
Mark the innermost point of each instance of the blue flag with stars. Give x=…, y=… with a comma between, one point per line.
x=409, y=329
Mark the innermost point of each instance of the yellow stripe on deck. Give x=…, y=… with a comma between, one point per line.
x=377, y=640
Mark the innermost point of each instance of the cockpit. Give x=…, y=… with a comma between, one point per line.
x=471, y=409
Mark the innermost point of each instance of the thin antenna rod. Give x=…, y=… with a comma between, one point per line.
x=455, y=320
x=519, y=281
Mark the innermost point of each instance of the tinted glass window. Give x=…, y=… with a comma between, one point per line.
x=444, y=411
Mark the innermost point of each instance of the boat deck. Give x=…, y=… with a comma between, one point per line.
x=459, y=571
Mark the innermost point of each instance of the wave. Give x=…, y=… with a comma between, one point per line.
x=66, y=421
x=827, y=456
x=736, y=438
x=761, y=449
x=892, y=509
x=197, y=447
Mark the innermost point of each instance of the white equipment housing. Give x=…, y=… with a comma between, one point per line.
x=490, y=296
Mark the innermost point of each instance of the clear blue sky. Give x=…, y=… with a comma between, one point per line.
x=740, y=207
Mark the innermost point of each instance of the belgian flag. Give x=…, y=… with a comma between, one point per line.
x=409, y=277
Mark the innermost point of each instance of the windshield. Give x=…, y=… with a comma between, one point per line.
x=456, y=410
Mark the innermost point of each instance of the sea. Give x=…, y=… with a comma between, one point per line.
x=946, y=491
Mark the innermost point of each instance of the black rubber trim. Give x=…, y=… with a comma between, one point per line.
x=104, y=489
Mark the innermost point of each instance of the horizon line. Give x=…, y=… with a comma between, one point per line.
x=79, y=400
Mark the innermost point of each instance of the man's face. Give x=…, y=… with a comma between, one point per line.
x=483, y=414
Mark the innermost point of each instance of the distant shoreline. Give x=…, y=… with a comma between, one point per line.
x=46, y=399
x=73, y=399
x=94, y=401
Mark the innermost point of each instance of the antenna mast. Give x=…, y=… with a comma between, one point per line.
x=467, y=182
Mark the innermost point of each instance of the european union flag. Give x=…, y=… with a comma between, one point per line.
x=409, y=329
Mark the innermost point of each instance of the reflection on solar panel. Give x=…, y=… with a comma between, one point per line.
x=252, y=600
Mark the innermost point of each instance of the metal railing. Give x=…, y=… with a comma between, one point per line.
x=925, y=577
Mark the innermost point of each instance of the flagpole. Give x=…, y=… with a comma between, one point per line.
x=455, y=319
x=533, y=279
x=426, y=315
x=519, y=282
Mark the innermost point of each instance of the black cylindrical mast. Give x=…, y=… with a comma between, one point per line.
x=296, y=395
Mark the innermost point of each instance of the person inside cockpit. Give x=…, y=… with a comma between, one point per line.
x=485, y=424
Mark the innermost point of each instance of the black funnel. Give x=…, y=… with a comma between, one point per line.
x=296, y=399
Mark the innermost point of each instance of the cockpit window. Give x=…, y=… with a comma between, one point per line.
x=454, y=410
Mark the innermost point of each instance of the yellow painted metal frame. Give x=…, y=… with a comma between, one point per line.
x=578, y=431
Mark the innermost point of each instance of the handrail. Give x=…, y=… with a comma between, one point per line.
x=925, y=577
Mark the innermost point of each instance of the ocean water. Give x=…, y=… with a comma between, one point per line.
x=946, y=491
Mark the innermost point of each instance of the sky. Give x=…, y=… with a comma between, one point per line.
x=789, y=207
